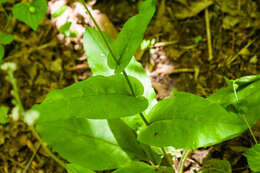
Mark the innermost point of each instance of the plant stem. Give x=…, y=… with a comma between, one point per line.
x=117, y=62
x=243, y=115
x=169, y=159
x=183, y=159
x=22, y=111
x=44, y=146
x=113, y=56
x=31, y=159
x=208, y=34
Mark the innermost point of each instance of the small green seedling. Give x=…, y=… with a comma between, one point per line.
x=3, y=114
x=4, y=39
x=30, y=13
x=65, y=30
x=59, y=12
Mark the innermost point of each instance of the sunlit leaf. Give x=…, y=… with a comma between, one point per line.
x=189, y=121
x=6, y=38
x=253, y=158
x=248, y=96
x=131, y=36
x=87, y=143
x=3, y=114
x=97, y=52
x=59, y=12
x=30, y=13
x=136, y=167
x=97, y=97
x=74, y=168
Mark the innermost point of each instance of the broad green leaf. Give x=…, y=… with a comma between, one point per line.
x=136, y=167
x=3, y=114
x=30, y=13
x=74, y=168
x=3, y=1
x=97, y=97
x=189, y=121
x=127, y=139
x=2, y=54
x=253, y=158
x=248, y=95
x=6, y=38
x=59, y=12
x=131, y=36
x=97, y=53
x=87, y=143
x=216, y=166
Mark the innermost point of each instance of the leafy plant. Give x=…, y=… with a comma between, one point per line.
x=3, y=114
x=4, y=39
x=253, y=158
x=30, y=13
x=113, y=121
x=65, y=30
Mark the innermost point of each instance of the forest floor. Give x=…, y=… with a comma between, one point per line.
x=179, y=58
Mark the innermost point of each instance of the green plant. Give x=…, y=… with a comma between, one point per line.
x=4, y=39
x=113, y=121
x=30, y=12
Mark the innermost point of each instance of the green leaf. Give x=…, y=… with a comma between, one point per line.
x=65, y=27
x=136, y=167
x=2, y=54
x=189, y=121
x=30, y=13
x=127, y=140
x=248, y=95
x=6, y=38
x=74, y=168
x=253, y=158
x=97, y=97
x=216, y=166
x=131, y=36
x=97, y=53
x=87, y=143
x=59, y=12
x=4, y=114
x=3, y=1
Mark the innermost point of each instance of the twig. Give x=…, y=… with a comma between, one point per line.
x=243, y=115
x=233, y=58
x=208, y=34
x=183, y=159
x=31, y=159
x=169, y=160
x=22, y=112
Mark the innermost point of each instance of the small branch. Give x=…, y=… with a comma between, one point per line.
x=233, y=58
x=15, y=93
x=31, y=159
x=183, y=159
x=44, y=146
x=243, y=115
x=169, y=160
x=208, y=34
